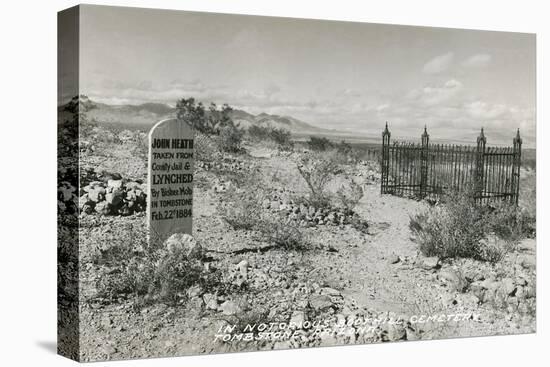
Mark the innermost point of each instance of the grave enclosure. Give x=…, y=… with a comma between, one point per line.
x=427, y=170
x=170, y=179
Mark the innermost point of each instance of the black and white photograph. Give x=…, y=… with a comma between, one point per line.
x=260, y=183
x=274, y=183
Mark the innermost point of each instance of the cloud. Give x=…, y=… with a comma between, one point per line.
x=432, y=95
x=271, y=89
x=438, y=64
x=382, y=107
x=142, y=85
x=485, y=111
x=477, y=61
x=351, y=92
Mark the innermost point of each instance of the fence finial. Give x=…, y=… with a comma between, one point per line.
x=481, y=137
x=386, y=130
x=425, y=137
x=517, y=139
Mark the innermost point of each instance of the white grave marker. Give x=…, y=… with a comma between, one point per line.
x=170, y=180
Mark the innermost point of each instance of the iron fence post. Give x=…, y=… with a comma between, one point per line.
x=517, y=166
x=480, y=161
x=385, y=159
x=424, y=154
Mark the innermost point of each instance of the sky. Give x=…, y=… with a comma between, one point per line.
x=347, y=76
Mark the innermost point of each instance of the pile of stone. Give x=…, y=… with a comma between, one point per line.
x=308, y=215
x=114, y=197
x=515, y=295
x=226, y=164
x=479, y=284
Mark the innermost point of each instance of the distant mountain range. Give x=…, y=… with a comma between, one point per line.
x=147, y=114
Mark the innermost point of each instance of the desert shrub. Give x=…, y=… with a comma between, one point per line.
x=258, y=132
x=243, y=212
x=159, y=275
x=280, y=136
x=337, y=157
x=175, y=274
x=141, y=147
x=194, y=114
x=462, y=227
x=286, y=236
x=344, y=148
x=511, y=222
x=214, y=122
x=317, y=173
x=319, y=144
x=349, y=196
x=230, y=139
x=134, y=279
x=449, y=232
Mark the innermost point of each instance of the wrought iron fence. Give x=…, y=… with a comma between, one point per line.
x=427, y=170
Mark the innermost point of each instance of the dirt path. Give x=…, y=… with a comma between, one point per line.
x=382, y=272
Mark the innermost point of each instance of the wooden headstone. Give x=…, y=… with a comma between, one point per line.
x=170, y=180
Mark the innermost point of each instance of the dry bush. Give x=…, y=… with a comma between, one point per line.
x=141, y=148
x=511, y=222
x=449, y=232
x=528, y=199
x=176, y=273
x=461, y=227
x=280, y=235
x=157, y=275
x=349, y=196
x=244, y=211
x=230, y=139
x=319, y=144
x=280, y=136
x=317, y=172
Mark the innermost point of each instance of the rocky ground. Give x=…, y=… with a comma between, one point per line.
x=352, y=284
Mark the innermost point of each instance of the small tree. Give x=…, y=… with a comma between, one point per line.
x=319, y=144
x=344, y=148
x=317, y=173
x=215, y=121
x=194, y=114
x=230, y=139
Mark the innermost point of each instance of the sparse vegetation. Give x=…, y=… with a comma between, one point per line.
x=214, y=122
x=317, y=172
x=348, y=197
x=319, y=144
x=158, y=275
x=463, y=228
x=244, y=212
x=280, y=136
x=286, y=236
x=291, y=244
x=344, y=148
x=230, y=139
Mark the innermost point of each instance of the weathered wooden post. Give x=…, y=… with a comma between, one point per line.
x=424, y=154
x=385, y=159
x=170, y=180
x=480, y=162
x=516, y=167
